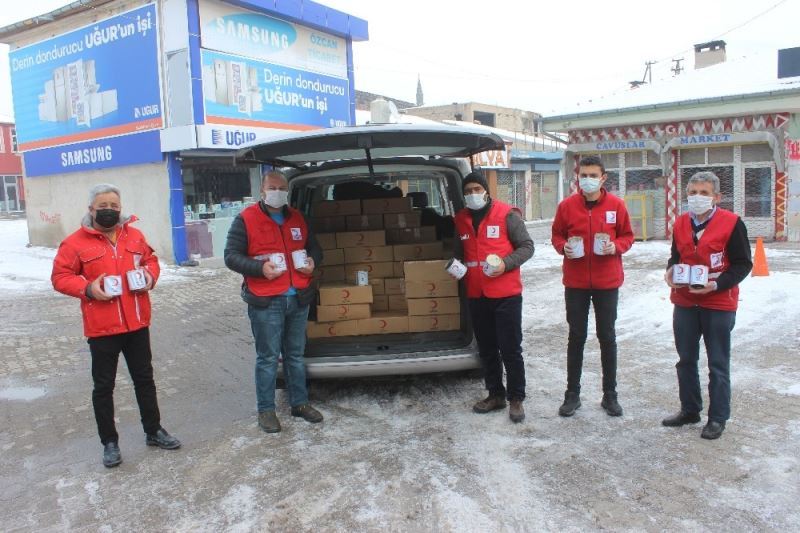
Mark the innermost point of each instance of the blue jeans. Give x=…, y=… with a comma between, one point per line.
x=689, y=324
x=279, y=329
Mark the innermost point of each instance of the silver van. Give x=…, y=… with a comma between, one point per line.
x=426, y=163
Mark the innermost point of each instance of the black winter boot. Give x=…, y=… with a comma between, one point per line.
x=572, y=401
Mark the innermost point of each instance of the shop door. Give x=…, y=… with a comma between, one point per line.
x=9, y=201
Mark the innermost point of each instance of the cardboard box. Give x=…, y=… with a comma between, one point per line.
x=410, y=235
x=386, y=205
x=434, y=306
x=394, y=286
x=332, y=257
x=327, y=241
x=334, y=313
x=380, y=302
x=398, y=270
x=402, y=220
x=368, y=254
x=364, y=222
x=342, y=293
x=317, y=330
x=330, y=273
x=378, y=287
x=336, y=208
x=426, y=270
x=382, y=323
x=431, y=289
x=374, y=270
x=422, y=323
x=418, y=252
x=328, y=224
x=351, y=239
x=397, y=302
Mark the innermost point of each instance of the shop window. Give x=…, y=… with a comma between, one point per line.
x=511, y=188
x=756, y=152
x=758, y=192
x=652, y=159
x=725, y=175
x=642, y=179
x=610, y=160
x=720, y=154
x=14, y=147
x=695, y=156
x=612, y=182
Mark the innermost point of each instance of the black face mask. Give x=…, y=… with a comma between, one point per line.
x=106, y=218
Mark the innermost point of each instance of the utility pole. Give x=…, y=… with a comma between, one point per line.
x=677, y=68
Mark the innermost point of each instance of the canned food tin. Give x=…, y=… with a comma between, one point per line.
x=456, y=268
x=576, y=243
x=112, y=285
x=600, y=240
x=698, y=277
x=681, y=274
x=300, y=258
x=279, y=260
x=136, y=279
x=492, y=264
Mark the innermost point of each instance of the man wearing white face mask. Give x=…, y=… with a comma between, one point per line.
x=489, y=227
x=278, y=292
x=592, y=230
x=716, y=238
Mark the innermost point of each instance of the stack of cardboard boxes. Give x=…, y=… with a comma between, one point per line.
x=382, y=237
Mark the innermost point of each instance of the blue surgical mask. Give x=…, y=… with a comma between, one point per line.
x=475, y=201
x=589, y=185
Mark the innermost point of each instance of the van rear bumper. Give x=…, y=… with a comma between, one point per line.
x=353, y=368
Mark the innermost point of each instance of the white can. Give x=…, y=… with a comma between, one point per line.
x=362, y=278
x=698, y=277
x=279, y=260
x=112, y=285
x=492, y=264
x=136, y=279
x=600, y=240
x=576, y=243
x=456, y=268
x=300, y=258
x=681, y=274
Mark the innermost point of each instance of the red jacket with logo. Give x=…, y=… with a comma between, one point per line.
x=84, y=256
x=710, y=250
x=609, y=215
x=491, y=238
x=265, y=236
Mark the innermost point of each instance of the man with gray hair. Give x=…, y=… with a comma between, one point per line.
x=706, y=239
x=110, y=268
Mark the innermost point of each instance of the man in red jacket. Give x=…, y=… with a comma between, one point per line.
x=717, y=239
x=489, y=227
x=592, y=230
x=97, y=265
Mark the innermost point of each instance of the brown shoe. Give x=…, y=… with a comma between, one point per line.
x=491, y=403
x=516, y=413
x=307, y=413
x=268, y=421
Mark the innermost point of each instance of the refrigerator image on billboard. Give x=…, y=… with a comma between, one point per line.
x=73, y=93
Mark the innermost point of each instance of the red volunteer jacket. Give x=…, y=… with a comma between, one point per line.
x=609, y=215
x=84, y=256
x=710, y=251
x=265, y=236
x=491, y=238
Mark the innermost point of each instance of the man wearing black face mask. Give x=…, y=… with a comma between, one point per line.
x=266, y=244
x=109, y=266
x=486, y=228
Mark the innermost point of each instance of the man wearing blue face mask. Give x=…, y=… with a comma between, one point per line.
x=715, y=238
x=592, y=230
x=487, y=227
x=262, y=244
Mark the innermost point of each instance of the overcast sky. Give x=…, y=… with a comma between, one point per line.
x=535, y=55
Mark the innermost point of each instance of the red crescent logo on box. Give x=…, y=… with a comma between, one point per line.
x=332, y=330
x=432, y=286
x=343, y=310
x=369, y=252
x=369, y=268
x=434, y=305
x=383, y=324
x=417, y=251
x=345, y=293
x=360, y=238
x=435, y=322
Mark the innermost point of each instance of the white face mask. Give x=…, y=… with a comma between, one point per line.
x=475, y=201
x=589, y=185
x=700, y=204
x=276, y=199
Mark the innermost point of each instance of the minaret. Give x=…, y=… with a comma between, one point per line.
x=420, y=98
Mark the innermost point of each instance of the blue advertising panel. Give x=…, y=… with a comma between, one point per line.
x=97, y=81
x=249, y=92
x=131, y=149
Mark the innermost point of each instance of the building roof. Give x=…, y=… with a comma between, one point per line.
x=754, y=75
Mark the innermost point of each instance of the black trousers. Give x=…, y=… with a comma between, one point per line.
x=498, y=329
x=605, y=316
x=135, y=346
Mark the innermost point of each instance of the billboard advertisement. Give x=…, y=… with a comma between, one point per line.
x=248, y=92
x=226, y=28
x=98, y=81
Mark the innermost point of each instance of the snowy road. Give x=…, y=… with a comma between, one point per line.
x=402, y=454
